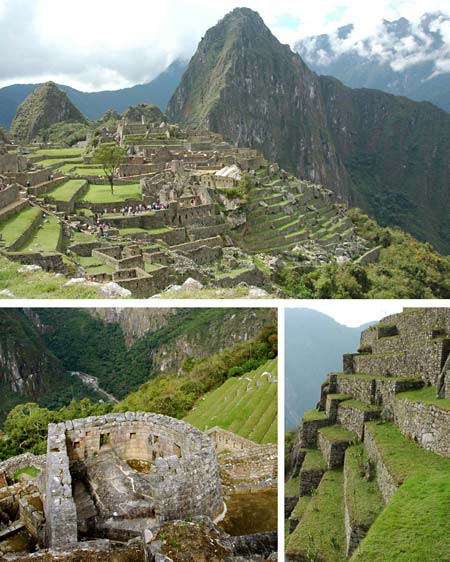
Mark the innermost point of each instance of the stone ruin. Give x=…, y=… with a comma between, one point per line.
x=201, y=224
x=130, y=471
x=115, y=483
x=404, y=353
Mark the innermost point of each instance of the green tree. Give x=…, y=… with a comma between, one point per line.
x=110, y=157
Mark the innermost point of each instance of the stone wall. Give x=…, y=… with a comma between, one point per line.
x=386, y=482
x=354, y=419
x=423, y=359
x=185, y=474
x=228, y=441
x=48, y=262
x=35, y=177
x=9, y=196
x=12, y=465
x=59, y=505
x=26, y=235
x=69, y=206
x=46, y=187
x=426, y=424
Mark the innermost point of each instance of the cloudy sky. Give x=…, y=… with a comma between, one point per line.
x=355, y=313
x=110, y=44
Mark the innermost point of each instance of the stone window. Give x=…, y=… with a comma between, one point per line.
x=177, y=450
x=76, y=444
x=88, y=433
x=132, y=436
x=104, y=439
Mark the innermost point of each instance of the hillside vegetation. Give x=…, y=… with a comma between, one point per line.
x=245, y=405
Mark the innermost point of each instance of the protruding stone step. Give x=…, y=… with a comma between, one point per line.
x=371, y=389
x=311, y=473
x=312, y=421
x=353, y=414
x=332, y=403
x=333, y=442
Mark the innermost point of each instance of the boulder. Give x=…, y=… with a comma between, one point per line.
x=191, y=285
x=112, y=290
x=29, y=268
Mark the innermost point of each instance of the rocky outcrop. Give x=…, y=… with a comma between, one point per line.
x=368, y=146
x=220, y=333
x=25, y=362
x=44, y=107
x=135, y=322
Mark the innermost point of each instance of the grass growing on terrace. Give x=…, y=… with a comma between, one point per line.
x=313, y=461
x=403, y=457
x=426, y=395
x=88, y=171
x=16, y=225
x=66, y=191
x=251, y=414
x=162, y=230
x=337, y=433
x=102, y=193
x=320, y=534
x=415, y=525
x=364, y=499
x=29, y=470
x=46, y=237
x=58, y=152
x=314, y=415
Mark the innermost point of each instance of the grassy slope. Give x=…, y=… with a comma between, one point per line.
x=415, y=526
x=102, y=193
x=66, y=191
x=15, y=226
x=250, y=414
x=40, y=285
x=321, y=533
x=46, y=237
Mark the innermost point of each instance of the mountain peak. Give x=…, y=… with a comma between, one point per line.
x=44, y=107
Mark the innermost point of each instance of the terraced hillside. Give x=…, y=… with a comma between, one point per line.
x=245, y=405
x=369, y=472
x=176, y=224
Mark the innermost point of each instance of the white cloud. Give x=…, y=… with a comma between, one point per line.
x=97, y=44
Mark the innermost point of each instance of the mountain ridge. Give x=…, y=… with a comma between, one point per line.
x=368, y=146
x=94, y=104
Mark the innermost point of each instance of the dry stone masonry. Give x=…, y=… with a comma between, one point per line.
x=203, y=209
x=399, y=379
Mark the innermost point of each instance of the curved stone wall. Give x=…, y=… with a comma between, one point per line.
x=184, y=474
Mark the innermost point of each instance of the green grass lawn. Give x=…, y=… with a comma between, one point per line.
x=314, y=461
x=314, y=415
x=403, y=457
x=337, y=433
x=251, y=414
x=102, y=193
x=292, y=487
x=16, y=225
x=162, y=230
x=66, y=191
x=88, y=171
x=300, y=508
x=58, y=152
x=415, y=525
x=364, y=499
x=46, y=237
x=320, y=535
x=30, y=470
x=426, y=395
